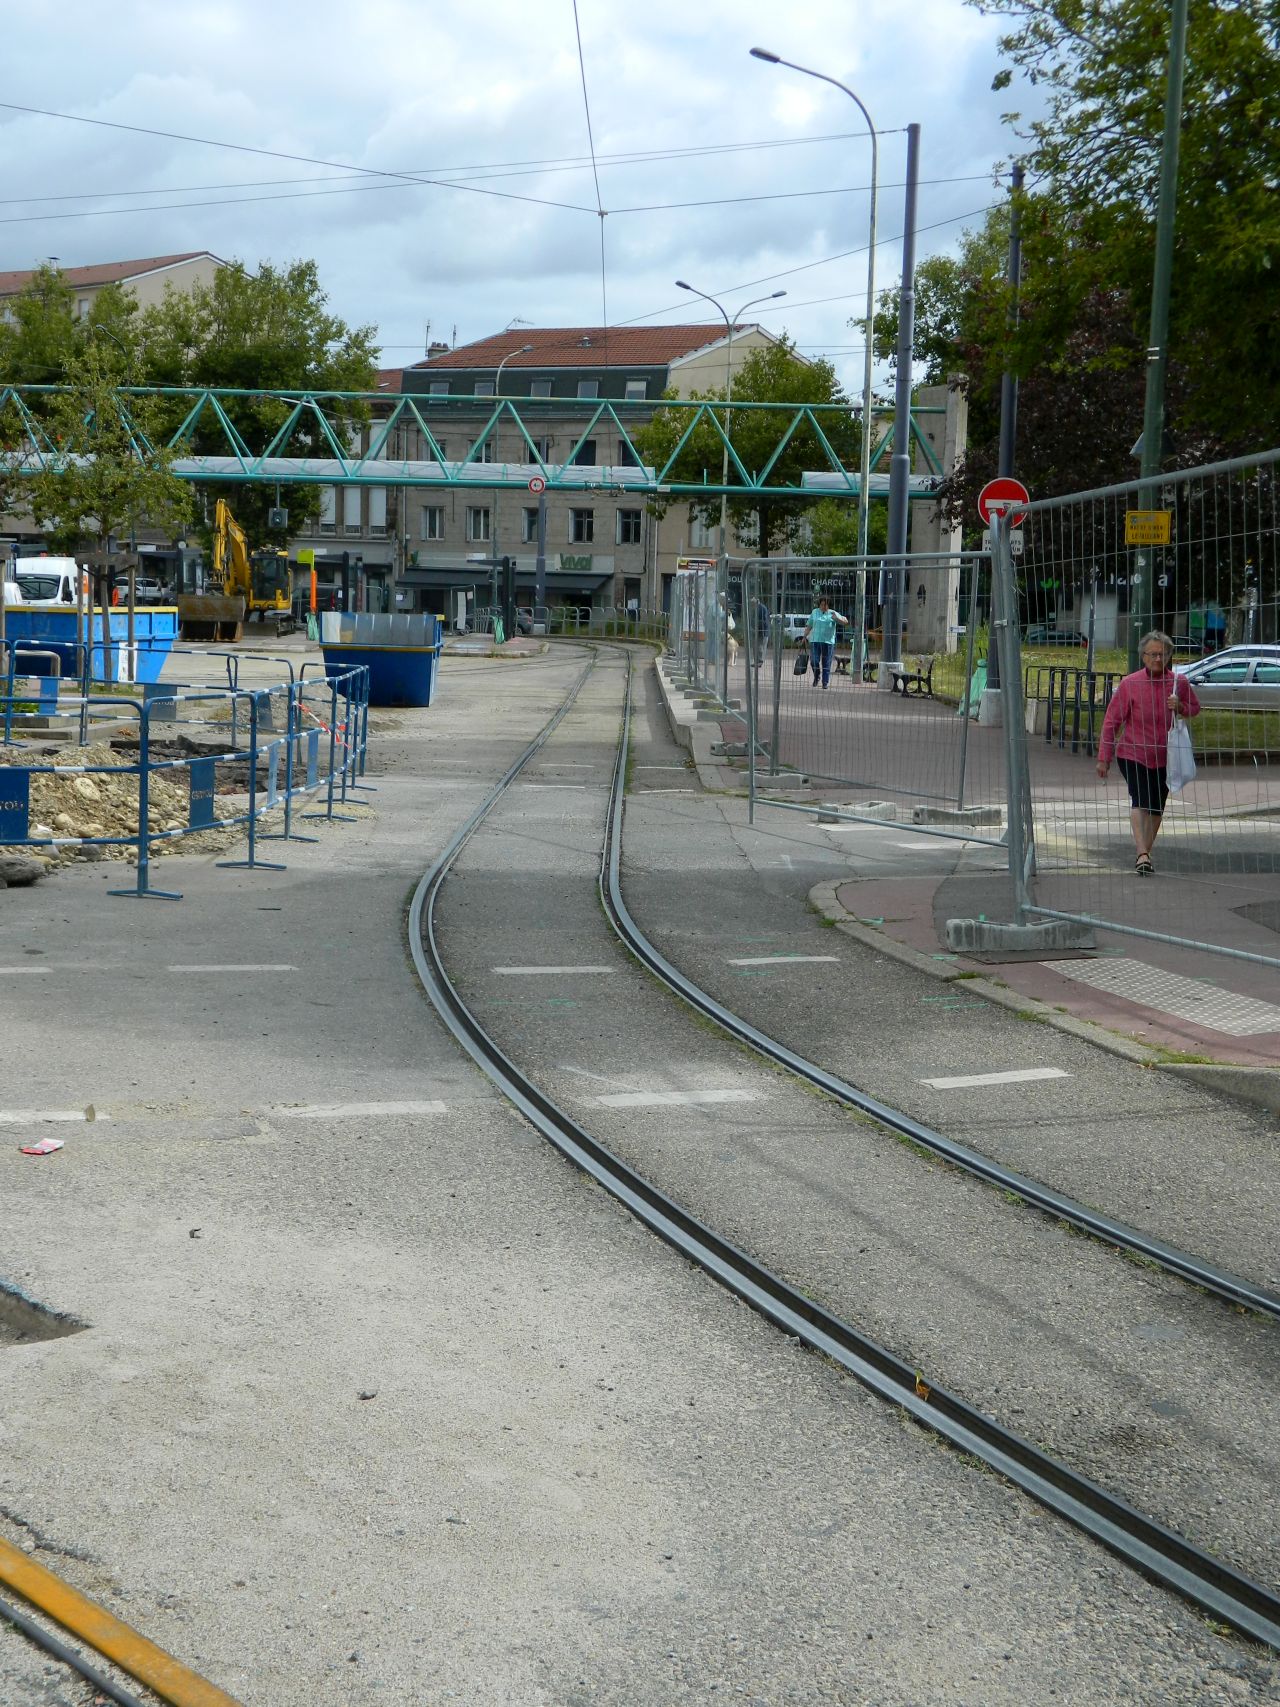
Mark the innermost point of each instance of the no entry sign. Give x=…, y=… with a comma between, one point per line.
x=1004, y=497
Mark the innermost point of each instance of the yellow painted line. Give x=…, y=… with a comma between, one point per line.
x=94, y=1625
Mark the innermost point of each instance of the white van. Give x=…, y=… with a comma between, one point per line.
x=41, y=581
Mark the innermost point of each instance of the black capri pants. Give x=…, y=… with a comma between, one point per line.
x=1148, y=787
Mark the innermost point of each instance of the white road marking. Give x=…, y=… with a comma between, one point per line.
x=354, y=1110
x=537, y=971
x=600, y=1078
x=672, y=1099
x=924, y=846
x=23, y=1116
x=246, y=967
x=553, y=785
x=24, y=971
x=1204, y=1004
x=1016, y=1076
x=790, y=960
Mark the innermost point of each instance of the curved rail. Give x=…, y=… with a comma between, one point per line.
x=1157, y=1552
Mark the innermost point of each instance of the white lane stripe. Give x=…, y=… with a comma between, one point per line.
x=354, y=1110
x=24, y=1116
x=24, y=971
x=554, y=785
x=790, y=960
x=924, y=845
x=539, y=971
x=671, y=1099
x=245, y=967
x=1018, y=1076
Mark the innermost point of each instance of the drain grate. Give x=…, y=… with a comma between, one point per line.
x=22, y=1320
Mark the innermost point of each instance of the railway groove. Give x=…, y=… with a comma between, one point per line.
x=1149, y=1546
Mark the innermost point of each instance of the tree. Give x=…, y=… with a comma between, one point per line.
x=772, y=374
x=272, y=331
x=833, y=528
x=111, y=475
x=1096, y=150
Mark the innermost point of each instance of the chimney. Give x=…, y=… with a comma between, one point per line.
x=437, y=350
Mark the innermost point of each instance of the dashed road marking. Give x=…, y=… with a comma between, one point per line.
x=1016, y=1076
x=354, y=1110
x=672, y=1099
x=249, y=966
x=25, y=1116
x=790, y=960
x=541, y=971
x=24, y=971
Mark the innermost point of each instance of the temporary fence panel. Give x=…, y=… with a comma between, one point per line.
x=899, y=734
x=1195, y=558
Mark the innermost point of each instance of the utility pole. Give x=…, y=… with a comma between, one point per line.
x=900, y=465
x=1140, y=591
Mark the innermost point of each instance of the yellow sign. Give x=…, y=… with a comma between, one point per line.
x=1148, y=527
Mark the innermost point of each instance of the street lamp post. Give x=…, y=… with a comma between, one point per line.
x=864, y=474
x=520, y=350
x=724, y=455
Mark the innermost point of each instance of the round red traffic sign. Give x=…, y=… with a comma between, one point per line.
x=537, y=484
x=1004, y=497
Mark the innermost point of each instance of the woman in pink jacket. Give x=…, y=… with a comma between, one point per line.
x=1135, y=732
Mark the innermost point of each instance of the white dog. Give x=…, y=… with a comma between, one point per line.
x=733, y=651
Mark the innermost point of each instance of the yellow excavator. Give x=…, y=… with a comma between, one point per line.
x=242, y=582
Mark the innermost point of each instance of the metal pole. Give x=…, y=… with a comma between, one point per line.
x=966, y=710
x=540, y=573
x=1140, y=600
x=1009, y=379
x=900, y=467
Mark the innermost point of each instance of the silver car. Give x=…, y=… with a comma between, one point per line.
x=1243, y=678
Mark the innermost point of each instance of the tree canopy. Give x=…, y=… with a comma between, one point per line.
x=1092, y=162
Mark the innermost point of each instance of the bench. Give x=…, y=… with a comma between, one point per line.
x=914, y=678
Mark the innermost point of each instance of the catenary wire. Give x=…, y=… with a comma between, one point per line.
x=595, y=173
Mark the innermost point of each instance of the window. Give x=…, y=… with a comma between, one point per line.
x=540, y=388
x=442, y=445
x=438, y=388
x=483, y=452
x=582, y=526
x=378, y=511
x=328, y=509
x=529, y=525
x=351, y=509
x=483, y=388
x=1225, y=673
x=637, y=390
x=628, y=527
x=626, y=458
x=588, y=388
x=702, y=535
x=1268, y=673
x=585, y=457
x=433, y=521
x=478, y=525
x=542, y=449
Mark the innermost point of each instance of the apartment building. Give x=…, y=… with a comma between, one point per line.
x=146, y=279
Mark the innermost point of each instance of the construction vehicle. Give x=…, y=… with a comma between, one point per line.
x=242, y=582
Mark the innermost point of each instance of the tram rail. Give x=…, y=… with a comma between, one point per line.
x=1150, y=1547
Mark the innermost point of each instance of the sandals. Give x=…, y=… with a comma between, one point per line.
x=1143, y=866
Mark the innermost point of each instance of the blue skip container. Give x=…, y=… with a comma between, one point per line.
x=53, y=628
x=401, y=653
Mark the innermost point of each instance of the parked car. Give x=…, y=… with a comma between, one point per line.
x=1243, y=678
x=793, y=628
x=1041, y=634
x=147, y=590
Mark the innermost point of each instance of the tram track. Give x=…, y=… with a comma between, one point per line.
x=1146, y=1544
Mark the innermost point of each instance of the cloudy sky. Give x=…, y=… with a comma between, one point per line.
x=738, y=176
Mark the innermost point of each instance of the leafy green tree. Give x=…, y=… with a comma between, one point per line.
x=111, y=476
x=833, y=528
x=1101, y=66
x=269, y=330
x=772, y=374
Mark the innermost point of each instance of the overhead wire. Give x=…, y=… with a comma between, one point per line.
x=595, y=173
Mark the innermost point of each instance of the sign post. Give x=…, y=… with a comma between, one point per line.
x=538, y=486
x=1007, y=498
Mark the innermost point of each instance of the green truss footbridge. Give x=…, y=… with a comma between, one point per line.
x=307, y=437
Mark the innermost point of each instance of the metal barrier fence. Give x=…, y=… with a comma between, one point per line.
x=278, y=745
x=1213, y=590
x=898, y=737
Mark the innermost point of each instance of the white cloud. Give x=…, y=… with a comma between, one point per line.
x=402, y=85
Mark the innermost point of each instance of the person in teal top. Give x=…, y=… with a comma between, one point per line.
x=821, y=635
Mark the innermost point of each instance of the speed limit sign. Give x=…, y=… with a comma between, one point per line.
x=537, y=484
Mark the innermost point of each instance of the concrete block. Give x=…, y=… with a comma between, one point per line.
x=1037, y=716
x=964, y=935
x=832, y=810
x=991, y=709
x=957, y=815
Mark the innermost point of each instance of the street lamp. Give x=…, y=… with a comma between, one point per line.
x=864, y=475
x=497, y=378
x=724, y=454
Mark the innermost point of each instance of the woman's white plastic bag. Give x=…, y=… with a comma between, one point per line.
x=1180, y=766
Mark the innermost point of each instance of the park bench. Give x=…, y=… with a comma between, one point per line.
x=914, y=678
